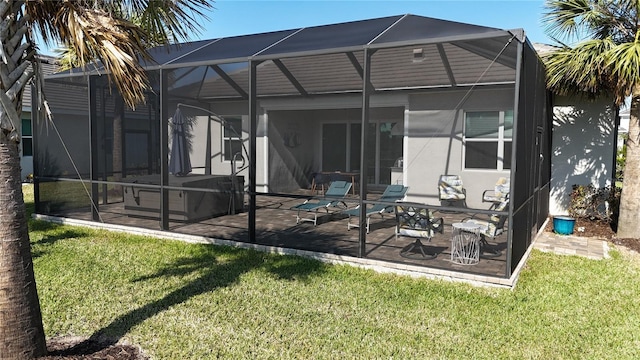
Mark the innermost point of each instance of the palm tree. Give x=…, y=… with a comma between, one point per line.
x=605, y=61
x=96, y=30
x=68, y=59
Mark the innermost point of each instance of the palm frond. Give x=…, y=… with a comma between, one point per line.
x=67, y=59
x=624, y=62
x=100, y=30
x=615, y=19
x=598, y=19
x=173, y=21
x=563, y=18
x=581, y=69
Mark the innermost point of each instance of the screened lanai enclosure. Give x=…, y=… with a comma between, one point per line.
x=240, y=136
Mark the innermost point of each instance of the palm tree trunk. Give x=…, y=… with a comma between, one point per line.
x=21, y=331
x=629, y=219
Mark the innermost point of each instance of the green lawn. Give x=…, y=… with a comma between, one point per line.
x=186, y=301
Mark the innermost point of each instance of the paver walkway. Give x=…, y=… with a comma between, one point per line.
x=591, y=248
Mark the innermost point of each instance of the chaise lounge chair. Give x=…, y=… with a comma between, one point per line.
x=392, y=193
x=333, y=197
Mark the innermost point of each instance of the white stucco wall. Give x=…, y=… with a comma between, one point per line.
x=215, y=129
x=433, y=143
x=582, y=148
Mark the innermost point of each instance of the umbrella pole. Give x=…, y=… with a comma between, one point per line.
x=220, y=119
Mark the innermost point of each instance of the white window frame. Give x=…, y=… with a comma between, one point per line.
x=26, y=137
x=501, y=140
x=225, y=138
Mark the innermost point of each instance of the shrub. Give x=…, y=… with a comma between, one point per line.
x=593, y=203
x=621, y=159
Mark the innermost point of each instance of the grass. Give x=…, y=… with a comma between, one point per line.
x=64, y=195
x=186, y=301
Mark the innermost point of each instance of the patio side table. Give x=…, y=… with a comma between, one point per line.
x=465, y=243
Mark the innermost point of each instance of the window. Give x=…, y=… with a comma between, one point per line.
x=27, y=138
x=487, y=139
x=231, y=137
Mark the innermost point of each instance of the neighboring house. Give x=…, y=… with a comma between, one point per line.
x=623, y=126
x=584, y=144
x=48, y=66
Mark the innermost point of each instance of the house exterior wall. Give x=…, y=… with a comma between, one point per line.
x=434, y=142
x=290, y=165
x=432, y=146
x=583, y=148
x=220, y=166
x=433, y=137
x=52, y=158
x=293, y=148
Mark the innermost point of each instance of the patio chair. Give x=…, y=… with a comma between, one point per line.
x=318, y=181
x=333, y=197
x=499, y=193
x=490, y=228
x=392, y=193
x=451, y=190
x=419, y=223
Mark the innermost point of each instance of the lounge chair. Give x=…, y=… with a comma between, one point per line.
x=451, y=190
x=419, y=223
x=334, y=196
x=490, y=228
x=392, y=193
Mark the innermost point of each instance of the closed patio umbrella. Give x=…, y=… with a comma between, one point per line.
x=179, y=161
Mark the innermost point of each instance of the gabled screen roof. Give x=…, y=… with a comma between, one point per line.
x=412, y=28
x=349, y=36
x=353, y=35
x=335, y=36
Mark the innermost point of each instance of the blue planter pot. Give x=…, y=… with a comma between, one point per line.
x=563, y=225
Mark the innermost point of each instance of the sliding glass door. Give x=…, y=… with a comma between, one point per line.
x=341, y=148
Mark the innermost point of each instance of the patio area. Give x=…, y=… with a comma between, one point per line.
x=276, y=228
